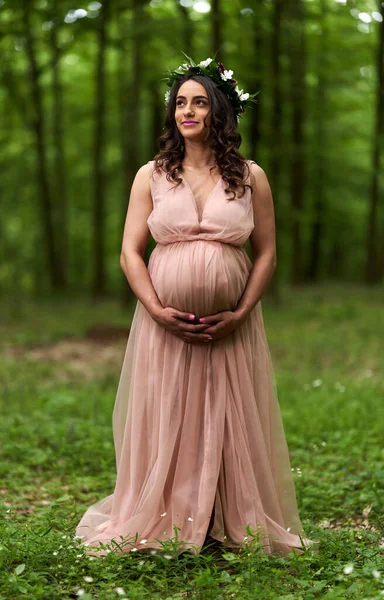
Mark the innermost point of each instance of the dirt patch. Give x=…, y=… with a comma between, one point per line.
x=99, y=352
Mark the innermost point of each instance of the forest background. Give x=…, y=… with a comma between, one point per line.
x=82, y=107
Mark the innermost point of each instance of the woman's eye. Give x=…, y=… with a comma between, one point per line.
x=179, y=102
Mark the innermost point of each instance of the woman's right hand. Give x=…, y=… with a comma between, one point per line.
x=180, y=324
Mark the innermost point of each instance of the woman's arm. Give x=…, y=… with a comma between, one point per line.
x=263, y=247
x=263, y=243
x=135, y=240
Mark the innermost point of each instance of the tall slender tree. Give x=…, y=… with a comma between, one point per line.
x=317, y=225
x=130, y=95
x=297, y=175
x=60, y=179
x=99, y=280
x=373, y=273
x=54, y=257
x=255, y=82
x=275, y=134
x=216, y=20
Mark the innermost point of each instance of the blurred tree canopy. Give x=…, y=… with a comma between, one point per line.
x=82, y=107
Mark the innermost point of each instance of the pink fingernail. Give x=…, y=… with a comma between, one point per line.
x=191, y=316
x=202, y=319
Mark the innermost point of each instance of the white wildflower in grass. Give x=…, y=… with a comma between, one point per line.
x=133, y=549
x=91, y=557
x=245, y=538
x=153, y=552
x=323, y=443
x=64, y=537
x=79, y=555
x=88, y=579
x=143, y=541
x=376, y=574
x=120, y=591
x=339, y=386
x=190, y=519
x=163, y=514
x=80, y=592
x=55, y=553
x=348, y=569
x=317, y=383
x=205, y=63
x=168, y=556
x=141, y=562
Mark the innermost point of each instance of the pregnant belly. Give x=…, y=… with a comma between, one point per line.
x=199, y=276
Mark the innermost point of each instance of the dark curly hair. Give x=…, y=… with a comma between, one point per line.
x=225, y=139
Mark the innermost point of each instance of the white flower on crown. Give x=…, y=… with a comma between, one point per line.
x=239, y=92
x=226, y=75
x=244, y=96
x=205, y=63
x=166, y=96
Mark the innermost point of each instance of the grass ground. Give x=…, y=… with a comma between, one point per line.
x=59, y=374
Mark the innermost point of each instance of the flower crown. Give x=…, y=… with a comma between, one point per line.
x=222, y=77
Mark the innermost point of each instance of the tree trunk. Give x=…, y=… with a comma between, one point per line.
x=54, y=259
x=372, y=268
x=60, y=187
x=255, y=84
x=216, y=20
x=297, y=178
x=317, y=228
x=99, y=280
x=130, y=93
x=158, y=114
x=275, y=137
x=188, y=31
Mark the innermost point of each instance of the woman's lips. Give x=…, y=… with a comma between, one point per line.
x=189, y=123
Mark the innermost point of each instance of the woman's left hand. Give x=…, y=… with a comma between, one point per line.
x=223, y=323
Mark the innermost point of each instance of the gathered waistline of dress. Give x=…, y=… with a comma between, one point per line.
x=238, y=246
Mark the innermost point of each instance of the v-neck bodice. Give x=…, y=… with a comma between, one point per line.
x=175, y=215
x=200, y=210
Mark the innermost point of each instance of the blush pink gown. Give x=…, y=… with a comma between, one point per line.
x=197, y=427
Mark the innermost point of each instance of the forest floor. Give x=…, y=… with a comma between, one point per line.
x=60, y=368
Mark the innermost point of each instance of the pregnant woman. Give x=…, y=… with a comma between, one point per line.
x=198, y=434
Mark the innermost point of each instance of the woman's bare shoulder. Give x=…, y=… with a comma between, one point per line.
x=254, y=166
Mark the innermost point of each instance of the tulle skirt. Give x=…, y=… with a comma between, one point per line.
x=197, y=427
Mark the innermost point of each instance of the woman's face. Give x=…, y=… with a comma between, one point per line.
x=192, y=105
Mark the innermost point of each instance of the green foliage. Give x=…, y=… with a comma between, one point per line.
x=340, y=97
